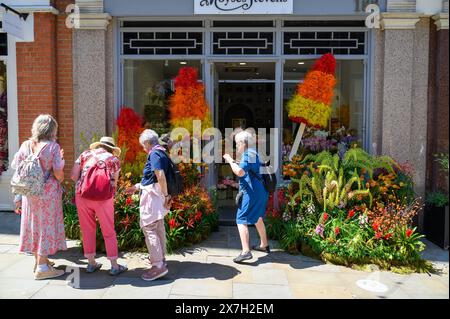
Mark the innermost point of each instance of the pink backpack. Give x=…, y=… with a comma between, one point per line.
x=97, y=182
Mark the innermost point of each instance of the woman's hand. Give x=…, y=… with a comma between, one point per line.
x=167, y=202
x=18, y=209
x=131, y=190
x=61, y=152
x=228, y=158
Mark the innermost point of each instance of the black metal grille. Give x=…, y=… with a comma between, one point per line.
x=184, y=43
x=235, y=43
x=343, y=43
x=3, y=44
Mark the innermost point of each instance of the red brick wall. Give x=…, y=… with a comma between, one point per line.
x=64, y=84
x=44, y=78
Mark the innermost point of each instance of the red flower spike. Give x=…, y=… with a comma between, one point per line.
x=351, y=214
x=129, y=201
x=172, y=223
x=337, y=230
x=325, y=217
x=375, y=226
x=408, y=233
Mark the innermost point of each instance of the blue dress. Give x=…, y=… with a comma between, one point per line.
x=255, y=196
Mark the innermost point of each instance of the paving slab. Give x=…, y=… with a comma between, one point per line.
x=262, y=276
x=67, y=292
x=320, y=291
x=136, y=288
x=15, y=288
x=8, y=249
x=260, y=291
x=203, y=288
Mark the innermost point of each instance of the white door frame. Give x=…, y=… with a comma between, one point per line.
x=6, y=197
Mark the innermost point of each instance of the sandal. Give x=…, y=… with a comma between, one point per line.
x=93, y=268
x=261, y=249
x=118, y=271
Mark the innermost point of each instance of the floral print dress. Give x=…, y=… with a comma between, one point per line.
x=42, y=222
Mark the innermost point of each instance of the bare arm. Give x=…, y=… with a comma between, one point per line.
x=116, y=177
x=59, y=174
x=162, y=181
x=234, y=167
x=76, y=170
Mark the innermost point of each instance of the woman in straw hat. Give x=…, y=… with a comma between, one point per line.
x=101, y=155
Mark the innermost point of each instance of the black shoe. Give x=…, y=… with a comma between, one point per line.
x=261, y=249
x=248, y=255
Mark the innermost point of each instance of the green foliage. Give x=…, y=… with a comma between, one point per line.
x=442, y=159
x=437, y=199
x=329, y=211
x=356, y=160
x=291, y=237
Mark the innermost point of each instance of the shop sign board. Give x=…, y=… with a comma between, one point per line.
x=243, y=6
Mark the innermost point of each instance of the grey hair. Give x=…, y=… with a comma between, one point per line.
x=44, y=128
x=245, y=137
x=149, y=136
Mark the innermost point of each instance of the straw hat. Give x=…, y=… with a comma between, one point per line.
x=108, y=142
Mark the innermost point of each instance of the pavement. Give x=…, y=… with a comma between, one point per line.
x=206, y=270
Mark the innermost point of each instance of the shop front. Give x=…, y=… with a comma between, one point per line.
x=250, y=56
x=250, y=65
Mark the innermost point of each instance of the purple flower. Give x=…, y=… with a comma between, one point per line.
x=319, y=230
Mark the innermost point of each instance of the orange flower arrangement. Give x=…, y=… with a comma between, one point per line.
x=311, y=104
x=188, y=103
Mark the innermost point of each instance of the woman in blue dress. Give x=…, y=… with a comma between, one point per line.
x=253, y=203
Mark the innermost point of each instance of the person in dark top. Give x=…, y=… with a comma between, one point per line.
x=154, y=203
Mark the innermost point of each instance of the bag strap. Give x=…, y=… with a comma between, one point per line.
x=30, y=148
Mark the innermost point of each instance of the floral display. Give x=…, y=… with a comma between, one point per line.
x=189, y=103
x=192, y=215
x=352, y=210
x=129, y=125
x=311, y=104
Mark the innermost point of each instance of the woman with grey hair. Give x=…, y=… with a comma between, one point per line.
x=253, y=201
x=42, y=224
x=154, y=203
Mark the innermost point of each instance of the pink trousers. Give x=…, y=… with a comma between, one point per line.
x=89, y=212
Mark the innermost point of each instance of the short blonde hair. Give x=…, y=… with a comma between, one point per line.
x=44, y=128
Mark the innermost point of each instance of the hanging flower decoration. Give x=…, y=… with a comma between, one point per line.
x=188, y=103
x=311, y=104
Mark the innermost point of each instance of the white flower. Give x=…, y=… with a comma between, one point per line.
x=311, y=209
x=319, y=133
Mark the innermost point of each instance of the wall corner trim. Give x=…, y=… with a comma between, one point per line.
x=441, y=21
x=399, y=21
x=92, y=21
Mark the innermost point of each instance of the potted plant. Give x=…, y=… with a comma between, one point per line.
x=436, y=219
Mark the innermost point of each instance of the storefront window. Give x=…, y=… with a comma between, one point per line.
x=348, y=104
x=148, y=85
x=3, y=120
